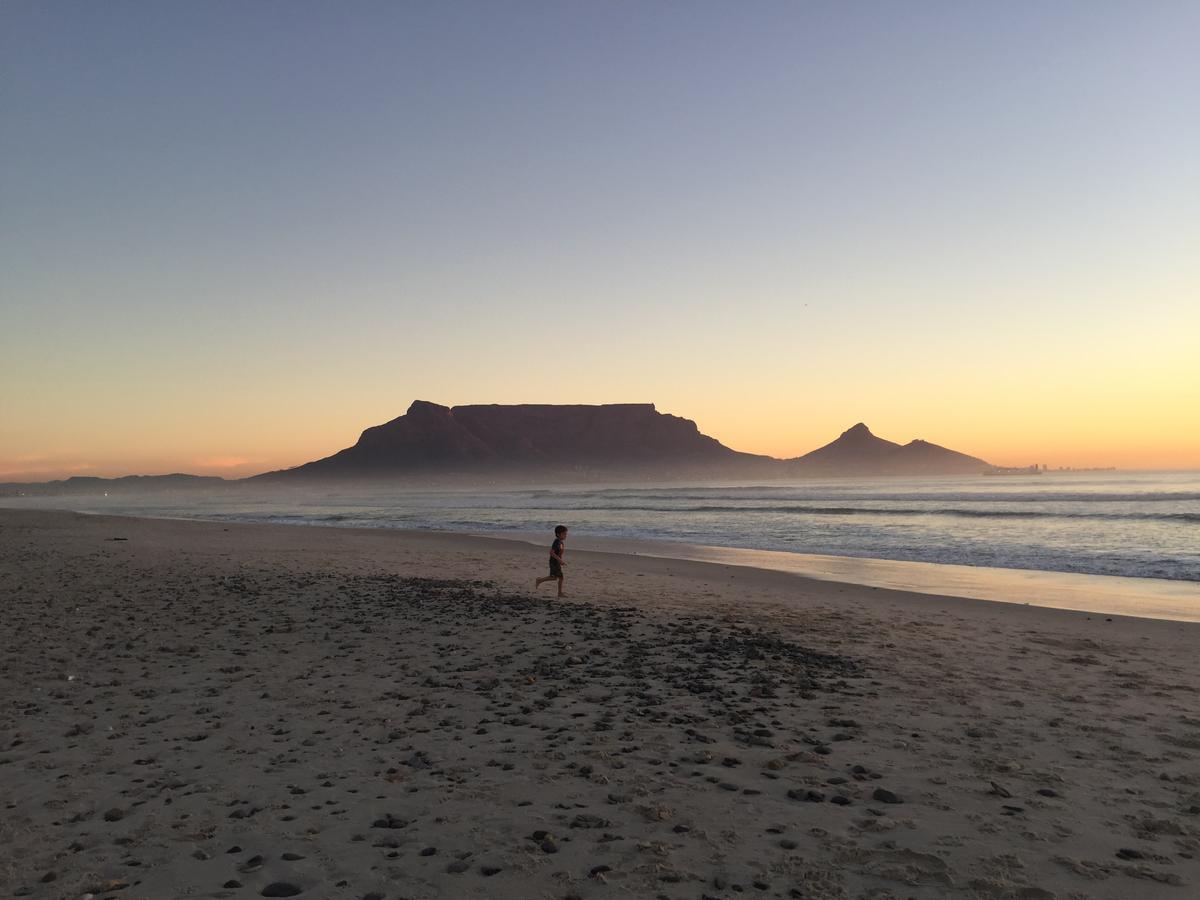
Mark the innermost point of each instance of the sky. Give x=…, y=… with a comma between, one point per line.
x=233, y=235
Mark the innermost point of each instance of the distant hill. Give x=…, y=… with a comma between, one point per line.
x=857, y=449
x=625, y=438
x=859, y=452
x=90, y=484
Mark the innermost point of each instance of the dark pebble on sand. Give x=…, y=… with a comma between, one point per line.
x=389, y=821
x=885, y=796
x=807, y=796
x=232, y=883
x=49, y=877
x=114, y=815
x=1130, y=853
x=1047, y=792
x=291, y=857
x=840, y=800
x=458, y=867
x=489, y=871
x=280, y=889
x=788, y=844
x=587, y=820
x=429, y=851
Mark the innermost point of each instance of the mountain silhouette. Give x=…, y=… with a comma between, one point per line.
x=606, y=441
x=859, y=452
x=622, y=437
x=546, y=442
x=855, y=449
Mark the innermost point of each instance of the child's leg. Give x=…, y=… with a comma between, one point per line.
x=560, y=586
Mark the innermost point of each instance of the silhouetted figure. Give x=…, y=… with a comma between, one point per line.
x=556, y=560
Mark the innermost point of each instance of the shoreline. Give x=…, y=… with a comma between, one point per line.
x=1102, y=595
x=766, y=591
x=235, y=710
x=1147, y=598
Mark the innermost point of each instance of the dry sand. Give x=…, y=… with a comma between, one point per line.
x=194, y=709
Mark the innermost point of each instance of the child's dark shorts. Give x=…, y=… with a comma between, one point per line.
x=555, y=568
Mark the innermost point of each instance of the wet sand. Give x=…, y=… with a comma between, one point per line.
x=1155, y=598
x=196, y=709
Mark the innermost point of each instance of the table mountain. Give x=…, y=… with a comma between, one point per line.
x=608, y=440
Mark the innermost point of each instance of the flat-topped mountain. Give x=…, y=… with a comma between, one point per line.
x=610, y=438
x=859, y=452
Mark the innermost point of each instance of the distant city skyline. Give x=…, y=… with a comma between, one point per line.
x=236, y=235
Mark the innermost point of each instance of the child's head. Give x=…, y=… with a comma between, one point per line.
x=560, y=531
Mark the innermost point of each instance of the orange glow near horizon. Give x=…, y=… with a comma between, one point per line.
x=1060, y=442
x=1050, y=386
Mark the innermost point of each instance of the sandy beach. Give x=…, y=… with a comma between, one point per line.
x=196, y=709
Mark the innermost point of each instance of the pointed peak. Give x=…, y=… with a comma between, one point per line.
x=858, y=430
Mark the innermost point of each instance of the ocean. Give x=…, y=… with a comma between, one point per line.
x=1129, y=524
